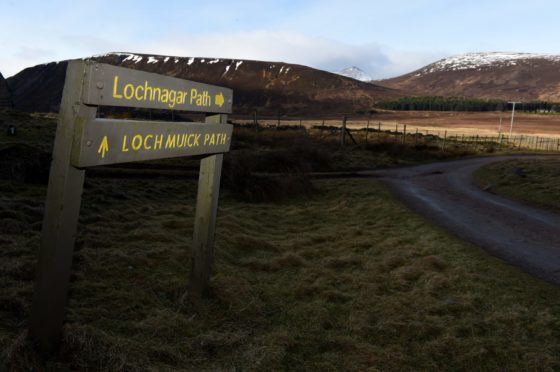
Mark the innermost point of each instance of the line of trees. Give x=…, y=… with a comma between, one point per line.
x=438, y=103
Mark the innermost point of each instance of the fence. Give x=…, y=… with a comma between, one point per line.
x=363, y=131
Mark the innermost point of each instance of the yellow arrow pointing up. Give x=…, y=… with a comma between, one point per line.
x=219, y=99
x=104, y=147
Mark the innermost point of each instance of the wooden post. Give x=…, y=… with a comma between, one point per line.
x=205, y=217
x=367, y=131
x=322, y=128
x=557, y=144
x=343, y=132
x=60, y=220
x=79, y=143
x=379, y=132
x=416, y=137
x=278, y=122
x=404, y=135
x=444, y=139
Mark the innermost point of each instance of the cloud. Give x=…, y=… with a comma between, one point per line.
x=379, y=61
x=34, y=53
x=328, y=54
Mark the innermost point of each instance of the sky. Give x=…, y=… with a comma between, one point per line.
x=383, y=38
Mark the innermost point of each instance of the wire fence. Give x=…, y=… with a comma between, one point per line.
x=363, y=132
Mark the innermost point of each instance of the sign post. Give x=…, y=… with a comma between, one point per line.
x=84, y=141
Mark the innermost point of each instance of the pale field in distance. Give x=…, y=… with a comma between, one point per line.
x=432, y=122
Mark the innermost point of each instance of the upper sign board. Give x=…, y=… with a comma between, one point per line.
x=107, y=85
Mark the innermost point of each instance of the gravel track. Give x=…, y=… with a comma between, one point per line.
x=444, y=193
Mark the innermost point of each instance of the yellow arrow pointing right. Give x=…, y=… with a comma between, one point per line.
x=103, y=147
x=219, y=99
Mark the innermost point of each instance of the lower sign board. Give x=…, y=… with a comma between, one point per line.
x=107, y=141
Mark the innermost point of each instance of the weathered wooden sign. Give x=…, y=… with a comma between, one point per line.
x=120, y=141
x=107, y=85
x=82, y=141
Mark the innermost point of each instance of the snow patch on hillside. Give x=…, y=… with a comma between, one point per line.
x=133, y=57
x=479, y=60
x=355, y=73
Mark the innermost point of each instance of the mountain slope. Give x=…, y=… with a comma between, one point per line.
x=355, y=73
x=5, y=94
x=270, y=87
x=511, y=76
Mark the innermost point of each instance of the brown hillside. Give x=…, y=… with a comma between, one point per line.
x=510, y=76
x=270, y=87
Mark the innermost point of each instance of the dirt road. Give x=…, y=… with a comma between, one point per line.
x=443, y=192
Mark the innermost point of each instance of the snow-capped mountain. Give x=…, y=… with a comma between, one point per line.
x=505, y=75
x=481, y=60
x=355, y=73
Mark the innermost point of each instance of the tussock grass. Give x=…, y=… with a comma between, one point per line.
x=532, y=181
x=347, y=278
x=331, y=274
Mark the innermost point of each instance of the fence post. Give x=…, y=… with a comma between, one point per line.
x=379, y=132
x=367, y=131
x=404, y=135
x=444, y=139
x=416, y=137
x=343, y=132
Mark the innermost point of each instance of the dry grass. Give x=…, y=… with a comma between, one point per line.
x=334, y=275
x=533, y=181
x=345, y=279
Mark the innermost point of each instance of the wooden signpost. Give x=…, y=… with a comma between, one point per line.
x=82, y=141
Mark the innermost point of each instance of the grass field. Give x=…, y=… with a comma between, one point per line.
x=309, y=274
x=345, y=279
x=532, y=181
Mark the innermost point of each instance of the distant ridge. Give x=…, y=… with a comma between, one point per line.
x=270, y=87
x=355, y=73
x=505, y=75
